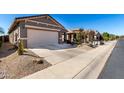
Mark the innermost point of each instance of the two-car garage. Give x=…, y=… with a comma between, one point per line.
x=37, y=38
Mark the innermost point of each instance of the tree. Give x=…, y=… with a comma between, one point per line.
x=106, y=36
x=85, y=36
x=117, y=37
x=78, y=37
x=112, y=37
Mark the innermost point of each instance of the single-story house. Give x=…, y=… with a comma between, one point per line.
x=86, y=37
x=36, y=31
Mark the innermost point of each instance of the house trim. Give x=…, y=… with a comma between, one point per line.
x=41, y=28
x=42, y=23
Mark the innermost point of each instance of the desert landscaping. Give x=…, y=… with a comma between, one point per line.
x=16, y=66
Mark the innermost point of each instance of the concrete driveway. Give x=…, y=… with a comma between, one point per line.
x=87, y=65
x=59, y=55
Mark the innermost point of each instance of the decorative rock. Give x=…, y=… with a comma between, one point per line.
x=38, y=60
x=2, y=75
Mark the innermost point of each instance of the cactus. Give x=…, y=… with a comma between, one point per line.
x=20, y=48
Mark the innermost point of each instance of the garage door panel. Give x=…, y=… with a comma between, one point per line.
x=37, y=38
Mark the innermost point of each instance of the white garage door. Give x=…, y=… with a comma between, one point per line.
x=39, y=38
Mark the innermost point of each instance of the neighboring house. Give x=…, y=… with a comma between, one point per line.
x=36, y=31
x=87, y=36
x=71, y=36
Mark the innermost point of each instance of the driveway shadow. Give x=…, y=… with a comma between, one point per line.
x=55, y=46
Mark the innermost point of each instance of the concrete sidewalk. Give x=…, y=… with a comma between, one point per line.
x=77, y=67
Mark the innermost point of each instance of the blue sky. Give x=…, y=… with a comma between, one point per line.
x=112, y=23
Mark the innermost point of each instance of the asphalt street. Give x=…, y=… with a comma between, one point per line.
x=114, y=68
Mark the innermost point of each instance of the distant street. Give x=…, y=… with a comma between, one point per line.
x=114, y=68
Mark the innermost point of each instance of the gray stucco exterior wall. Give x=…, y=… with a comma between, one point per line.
x=23, y=30
x=23, y=33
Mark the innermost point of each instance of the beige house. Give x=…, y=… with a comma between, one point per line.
x=87, y=36
x=36, y=31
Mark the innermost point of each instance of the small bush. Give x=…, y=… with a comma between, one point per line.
x=106, y=38
x=20, y=48
x=78, y=39
x=0, y=44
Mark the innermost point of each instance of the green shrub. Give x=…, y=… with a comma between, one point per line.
x=78, y=38
x=106, y=38
x=20, y=48
x=0, y=44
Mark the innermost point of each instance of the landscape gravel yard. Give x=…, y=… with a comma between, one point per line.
x=13, y=66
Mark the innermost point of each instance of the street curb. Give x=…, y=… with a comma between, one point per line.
x=93, y=70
